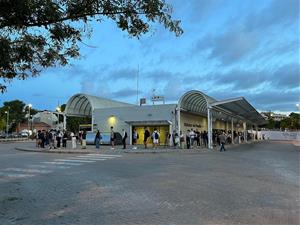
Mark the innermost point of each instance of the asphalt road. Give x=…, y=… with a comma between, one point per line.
x=250, y=184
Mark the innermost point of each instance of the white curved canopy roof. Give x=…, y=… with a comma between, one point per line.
x=82, y=105
x=198, y=102
x=195, y=101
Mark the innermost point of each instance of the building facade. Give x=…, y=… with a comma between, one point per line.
x=194, y=110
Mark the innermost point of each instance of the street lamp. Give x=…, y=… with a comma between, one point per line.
x=298, y=106
x=7, y=118
x=59, y=112
x=29, y=106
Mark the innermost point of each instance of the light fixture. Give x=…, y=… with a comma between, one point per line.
x=112, y=120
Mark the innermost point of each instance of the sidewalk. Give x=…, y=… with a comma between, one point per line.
x=105, y=149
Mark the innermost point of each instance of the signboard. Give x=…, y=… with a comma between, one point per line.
x=142, y=101
x=156, y=98
x=192, y=125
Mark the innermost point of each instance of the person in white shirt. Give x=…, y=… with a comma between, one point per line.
x=155, y=138
x=73, y=138
x=135, y=137
x=124, y=137
x=192, y=137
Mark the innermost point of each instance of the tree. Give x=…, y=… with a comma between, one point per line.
x=37, y=34
x=292, y=122
x=2, y=124
x=17, y=112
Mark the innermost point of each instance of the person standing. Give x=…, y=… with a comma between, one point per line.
x=181, y=136
x=188, y=140
x=83, y=140
x=222, y=138
x=64, y=139
x=146, y=136
x=73, y=138
x=135, y=137
x=124, y=137
x=97, y=139
x=112, y=137
x=58, y=139
x=155, y=138
x=192, y=138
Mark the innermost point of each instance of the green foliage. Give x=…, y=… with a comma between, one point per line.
x=292, y=122
x=2, y=124
x=74, y=122
x=37, y=34
x=17, y=113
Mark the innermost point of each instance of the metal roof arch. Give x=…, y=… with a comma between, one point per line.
x=83, y=105
x=195, y=101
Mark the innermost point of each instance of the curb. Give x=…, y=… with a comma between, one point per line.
x=142, y=151
x=55, y=151
x=132, y=151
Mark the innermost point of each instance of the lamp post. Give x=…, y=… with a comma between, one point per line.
x=59, y=112
x=7, y=118
x=29, y=106
x=298, y=106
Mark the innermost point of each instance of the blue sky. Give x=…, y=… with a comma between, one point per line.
x=228, y=49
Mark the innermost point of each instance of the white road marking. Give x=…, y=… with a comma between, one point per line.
x=64, y=163
x=91, y=159
x=28, y=170
x=95, y=157
x=73, y=160
x=15, y=175
x=105, y=155
x=49, y=166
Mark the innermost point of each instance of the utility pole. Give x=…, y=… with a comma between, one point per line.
x=7, y=118
x=137, y=85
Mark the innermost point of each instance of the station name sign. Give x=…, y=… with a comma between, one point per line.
x=192, y=125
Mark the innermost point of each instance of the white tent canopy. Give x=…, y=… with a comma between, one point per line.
x=83, y=105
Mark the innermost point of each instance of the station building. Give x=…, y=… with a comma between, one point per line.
x=193, y=110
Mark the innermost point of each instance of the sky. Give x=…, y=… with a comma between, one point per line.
x=229, y=49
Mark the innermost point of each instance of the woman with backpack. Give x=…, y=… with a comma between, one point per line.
x=155, y=138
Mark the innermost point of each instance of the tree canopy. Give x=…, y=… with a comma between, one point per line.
x=17, y=113
x=37, y=34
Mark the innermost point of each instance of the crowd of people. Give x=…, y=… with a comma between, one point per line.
x=57, y=139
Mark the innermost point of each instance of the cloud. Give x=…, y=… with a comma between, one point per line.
x=123, y=73
x=229, y=47
x=276, y=13
x=288, y=76
x=124, y=93
x=161, y=75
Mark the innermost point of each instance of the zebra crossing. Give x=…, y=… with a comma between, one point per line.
x=47, y=167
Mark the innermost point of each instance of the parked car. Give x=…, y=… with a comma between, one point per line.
x=23, y=134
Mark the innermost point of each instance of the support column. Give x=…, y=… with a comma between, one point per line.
x=245, y=131
x=256, y=132
x=130, y=134
x=209, y=127
x=178, y=120
x=170, y=132
x=232, y=137
x=65, y=122
x=226, y=127
x=92, y=128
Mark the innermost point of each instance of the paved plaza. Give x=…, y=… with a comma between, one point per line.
x=249, y=184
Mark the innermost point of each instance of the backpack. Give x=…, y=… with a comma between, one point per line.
x=115, y=135
x=156, y=135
